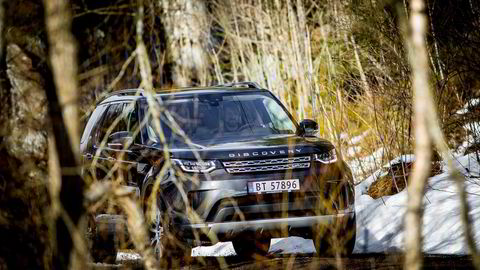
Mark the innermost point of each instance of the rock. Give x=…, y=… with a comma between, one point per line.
x=27, y=134
x=24, y=196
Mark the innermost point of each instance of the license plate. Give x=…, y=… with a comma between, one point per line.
x=273, y=186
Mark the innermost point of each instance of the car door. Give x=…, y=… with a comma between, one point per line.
x=87, y=142
x=103, y=159
x=126, y=153
x=118, y=150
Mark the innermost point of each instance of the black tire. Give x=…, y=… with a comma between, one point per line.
x=169, y=249
x=104, y=251
x=335, y=240
x=250, y=247
x=103, y=242
x=173, y=253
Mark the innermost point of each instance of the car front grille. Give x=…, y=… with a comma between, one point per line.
x=264, y=165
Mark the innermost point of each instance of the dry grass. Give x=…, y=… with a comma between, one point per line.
x=386, y=186
x=397, y=179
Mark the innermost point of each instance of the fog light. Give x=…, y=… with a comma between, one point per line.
x=326, y=157
x=195, y=166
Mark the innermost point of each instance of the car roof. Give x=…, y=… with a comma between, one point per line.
x=134, y=94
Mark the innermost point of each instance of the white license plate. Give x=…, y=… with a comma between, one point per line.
x=273, y=186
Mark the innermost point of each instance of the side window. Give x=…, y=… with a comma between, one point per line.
x=122, y=118
x=91, y=128
x=112, y=122
x=132, y=121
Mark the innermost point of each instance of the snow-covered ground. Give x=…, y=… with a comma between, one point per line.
x=469, y=105
x=366, y=164
x=380, y=222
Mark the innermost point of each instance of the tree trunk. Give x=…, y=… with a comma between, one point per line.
x=186, y=32
x=61, y=91
x=422, y=100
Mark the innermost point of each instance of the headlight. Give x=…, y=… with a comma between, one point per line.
x=326, y=157
x=195, y=165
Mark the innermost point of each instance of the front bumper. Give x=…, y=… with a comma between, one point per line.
x=225, y=209
x=218, y=199
x=268, y=228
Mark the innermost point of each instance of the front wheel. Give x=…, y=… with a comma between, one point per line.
x=171, y=252
x=102, y=232
x=251, y=247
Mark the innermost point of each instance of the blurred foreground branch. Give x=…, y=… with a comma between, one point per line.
x=423, y=105
x=427, y=132
x=61, y=91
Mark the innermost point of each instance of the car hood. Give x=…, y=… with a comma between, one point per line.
x=264, y=147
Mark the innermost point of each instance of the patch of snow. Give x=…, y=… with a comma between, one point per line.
x=465, y=144
x=403, y=158
x=462, y=111
x=473, y=128
x=222, y=249
x=291, y=245
x=467, y=165
x=128, y=256
x=353, y=150
x=357, y=139
x=471, y=103
x=368, y=163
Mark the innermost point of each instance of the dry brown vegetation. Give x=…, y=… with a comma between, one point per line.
x=397, y=178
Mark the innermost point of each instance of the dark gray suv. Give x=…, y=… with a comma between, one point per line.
x=225, y=163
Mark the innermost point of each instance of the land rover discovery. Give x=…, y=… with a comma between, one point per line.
x=225, y=163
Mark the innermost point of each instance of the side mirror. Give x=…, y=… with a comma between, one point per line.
x=119, y=139
x=309, y=127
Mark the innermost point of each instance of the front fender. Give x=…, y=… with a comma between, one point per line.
x=147, y=186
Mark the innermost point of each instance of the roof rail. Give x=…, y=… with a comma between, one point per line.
x=126, y=92
x=248, y=84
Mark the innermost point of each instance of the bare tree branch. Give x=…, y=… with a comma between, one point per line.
x=422, y=100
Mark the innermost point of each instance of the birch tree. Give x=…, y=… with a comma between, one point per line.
x=186, y=33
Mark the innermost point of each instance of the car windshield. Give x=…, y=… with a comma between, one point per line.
x=219, y=118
